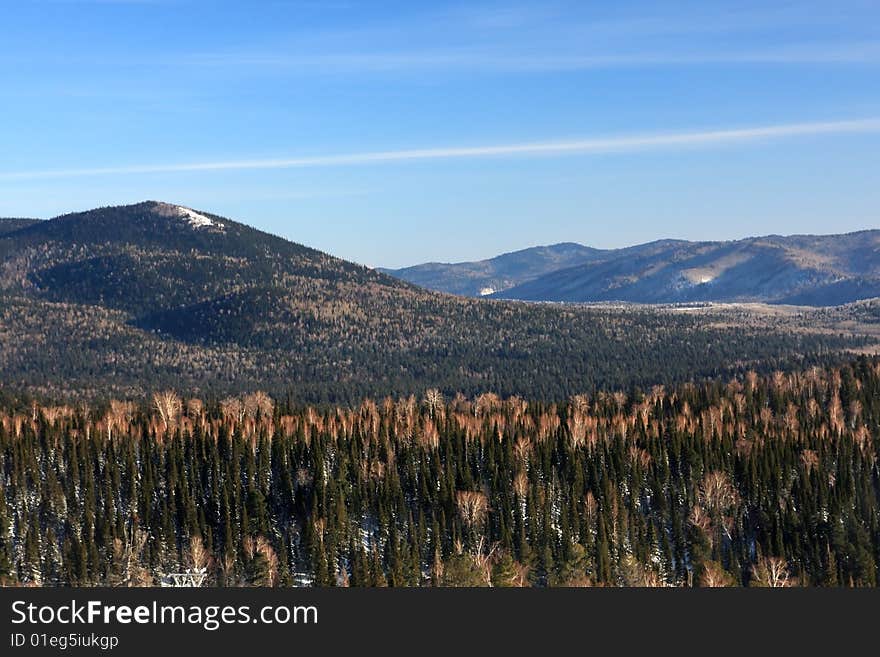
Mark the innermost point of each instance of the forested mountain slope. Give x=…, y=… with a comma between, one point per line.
x=9, y=224
x=484, y=277
x=804, y=270
x=124, y=300
x=815, y=270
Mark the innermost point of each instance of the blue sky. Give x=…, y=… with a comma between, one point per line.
x=392, y=133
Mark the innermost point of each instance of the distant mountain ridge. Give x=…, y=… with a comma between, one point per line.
x=485, y=277
x=815, y=270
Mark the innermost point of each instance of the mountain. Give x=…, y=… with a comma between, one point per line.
x=123, y=300
x=156, y=256
x=485, y=277
x=801, y=269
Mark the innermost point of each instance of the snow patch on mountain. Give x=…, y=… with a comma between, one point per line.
x=195, y=219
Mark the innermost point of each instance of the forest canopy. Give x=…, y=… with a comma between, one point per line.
x=759, y=480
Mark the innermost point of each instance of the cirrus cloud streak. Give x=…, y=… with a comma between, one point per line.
x=614, y=144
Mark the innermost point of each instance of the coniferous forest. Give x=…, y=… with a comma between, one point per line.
x=122, y=301
x=756, y=480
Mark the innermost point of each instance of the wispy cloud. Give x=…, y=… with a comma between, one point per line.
x=473, y=60
x=615, y=144
x=565, y=36
x=105, y=2
x=464, y=60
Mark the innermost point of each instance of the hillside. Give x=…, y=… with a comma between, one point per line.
x=10, y=224
x=484, y=277
x=802, y=269
x=124, y=300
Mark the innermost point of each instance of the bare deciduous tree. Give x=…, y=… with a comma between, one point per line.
x=715, y=576
x=810, y=459
x=772, y=572
x=433, y=401
x=119, y=416
x=472, y=506
x=232, y=410
x=429, y=437
x=521, y=484
x=577, y=429
x=258, y=403
x=717, y=492
x=126, y=553
x=199, y=557
x=483, y=561
x=522, y=448
x=195, y=409
x=169, y=406
x=260, y=546
x=486, y=403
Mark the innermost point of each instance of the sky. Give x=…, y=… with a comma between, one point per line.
x=393, y=133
